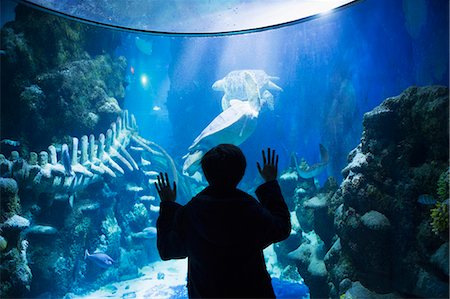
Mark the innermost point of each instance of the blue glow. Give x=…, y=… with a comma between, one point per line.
x=144, y=80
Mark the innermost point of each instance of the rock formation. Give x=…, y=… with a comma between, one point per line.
x=373, y=237
x=59, y=78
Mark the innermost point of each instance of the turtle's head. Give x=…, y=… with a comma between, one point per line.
x=218, y=85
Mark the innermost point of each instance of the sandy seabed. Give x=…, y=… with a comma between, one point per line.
x=159, y=280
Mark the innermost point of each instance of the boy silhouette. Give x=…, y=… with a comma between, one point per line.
x=223, y=230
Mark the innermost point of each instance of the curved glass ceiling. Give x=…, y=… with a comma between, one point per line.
x=190, y=17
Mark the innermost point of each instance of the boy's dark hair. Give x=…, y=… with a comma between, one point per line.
x=224, y=166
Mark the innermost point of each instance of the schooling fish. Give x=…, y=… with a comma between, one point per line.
x=147, y=198
x=134, y=188
x=151, y=173
x=426, y=199
x=66, y=160
x=99, y=258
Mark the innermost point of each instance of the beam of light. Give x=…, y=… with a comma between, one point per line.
x=253, y=51
x=144, y=80
x=191, y=58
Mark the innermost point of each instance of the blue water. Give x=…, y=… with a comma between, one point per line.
x=333, y=69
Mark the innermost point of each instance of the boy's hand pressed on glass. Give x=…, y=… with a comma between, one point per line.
x=163, y=187
x=269, y=170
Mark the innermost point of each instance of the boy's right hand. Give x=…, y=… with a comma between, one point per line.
x=269, y=171
x=163, y=187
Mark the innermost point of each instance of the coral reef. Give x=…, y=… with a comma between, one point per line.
x=57, y=79
x=383, y=233
x=97, y=198
x=61, y=79
x=15, y=272
x=308, y=258
x=384, y=230
x=312, y=229
x=439, y=214
x=9, y=199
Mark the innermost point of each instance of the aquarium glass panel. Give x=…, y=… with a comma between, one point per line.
x=354, y=102
x=200, y=17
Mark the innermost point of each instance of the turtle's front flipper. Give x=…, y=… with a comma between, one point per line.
x=225, y=102
x=273, y=86
x=192, y=162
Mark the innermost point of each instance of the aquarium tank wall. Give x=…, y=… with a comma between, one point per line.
x=354, y=97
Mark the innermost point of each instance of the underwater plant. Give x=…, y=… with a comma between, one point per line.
x=439, y=218
x=439, y=214
x=442, y=185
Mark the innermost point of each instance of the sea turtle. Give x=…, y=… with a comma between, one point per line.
x=234, y=125
x=233, y=85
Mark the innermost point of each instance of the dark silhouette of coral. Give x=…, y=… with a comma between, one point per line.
x=59, y=78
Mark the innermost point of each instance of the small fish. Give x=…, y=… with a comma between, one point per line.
x=89, y=207
x=41, y=230
x=151, y=173
x=66, y=160
x=147, y=198
x=152, y=181
x=132, y=70
x=156, y=108
x=10, y=142
x=154, y=208
x=145, y=162
x=134, y=188
x=99, y=258
x=146, y=233
x=426, y=199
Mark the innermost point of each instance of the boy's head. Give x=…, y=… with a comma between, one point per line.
x=224, y=166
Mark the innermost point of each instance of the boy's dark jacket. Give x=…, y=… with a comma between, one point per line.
x=223, y=235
